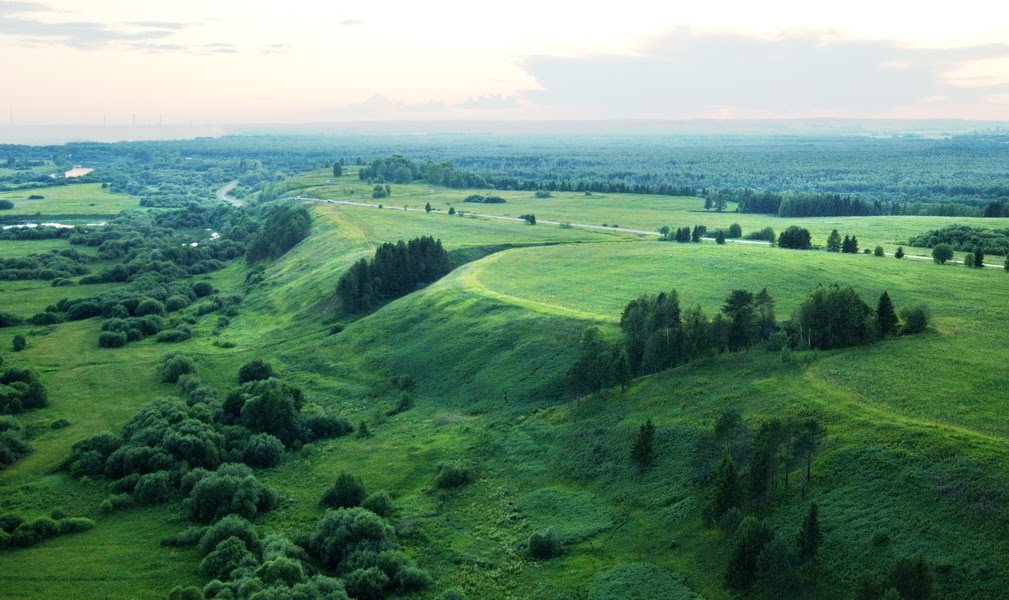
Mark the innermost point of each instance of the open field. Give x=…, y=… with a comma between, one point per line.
x=75, y=202
x=917, y=442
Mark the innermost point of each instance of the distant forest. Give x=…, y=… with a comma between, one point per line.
x=792, y=175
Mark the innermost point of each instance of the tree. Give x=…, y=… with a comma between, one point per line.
x=978, y=258
x=727, y=490
x=735, y=231
x=427, y=207
x=451, y=210
x=337, y=169
x=778, y=568
x=719, y=237
x=1005, y=265
x=255, y=370
x=879, y=251
x=720, y=204
x=752, y=537
x=916, y=318
x=739, y=309
x=796, y=238
x=708, y=204
x=698, y=233
x=942, y=253
x=912, y=577
x=595, y=368
x=810, y=536
x=834, y=241
x=806, y=444
x=886, y=316
x=899, y=253
x=348, y=491
x=19, y=343
x=643, y=449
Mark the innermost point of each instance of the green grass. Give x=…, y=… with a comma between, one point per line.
x=75, y=202
x=916, y=446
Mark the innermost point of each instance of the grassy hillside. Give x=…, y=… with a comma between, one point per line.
x=913, y=461
x=73, y=202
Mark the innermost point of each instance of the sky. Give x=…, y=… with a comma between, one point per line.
x=223, y=62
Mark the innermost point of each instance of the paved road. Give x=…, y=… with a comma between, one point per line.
x=222, y=194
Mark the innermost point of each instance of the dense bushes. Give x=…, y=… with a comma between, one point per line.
x=396, y=270
x=964, y=238
x=174, y=365
x=13, y=445
x=795, y=238
x=347, y=492
x=58, y=264
x=255, y=371
x=478, y=199
x=20, y=390
x=231, y=489
x=15, y=532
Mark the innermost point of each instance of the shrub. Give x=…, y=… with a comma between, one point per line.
x=178, y=334
x=230, y=489
x=412, y=579
x=45, y=318
x=379, y=503
x=451, y=475
x=544, y=545
x=542, y=194
x=735, y=231
x=153, y=488
x=942, y=253
x=879, y=251
x=111, y=339
x=341, y=532
x=315, y=427
x=263, y=450
x=915, y=318
x=176, y=302
x=203, y=289
x=796, y=238
x=256, y=370
x=19, y=343
x=9, y=320
x=225, y=558
x=190, y=592
x=8, y=205
x=175, y=365
x=231, y=526
x=348, y=491
x=74, y=525
x=149, y=307
x=367, y=584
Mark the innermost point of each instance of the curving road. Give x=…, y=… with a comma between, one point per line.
x=222, y=194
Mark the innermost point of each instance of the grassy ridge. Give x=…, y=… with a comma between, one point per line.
x=914, y=453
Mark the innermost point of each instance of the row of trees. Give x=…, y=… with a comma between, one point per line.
x=964, y=238
x=396, y=270
x=849, y=245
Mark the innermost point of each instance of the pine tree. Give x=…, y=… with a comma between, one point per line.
x=727, y=488
x=899, y=253
x=978, y=258
x=707, y=204
x=643, y=451
x=427, y=207
x=834, y=241
x=809, y=535
x=752, y=536
x=719, y=237
x=886, y=316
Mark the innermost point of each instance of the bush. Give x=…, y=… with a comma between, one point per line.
x=348, y=491
x=6, y=205
x=879, y=251
x=176, y=302
x=412, y=579
x=74, y=525
x=45, y=318
x=542, y=194
x=231, y=526
x=735, y=231
x=316, y=427
x=203, y=289
x=342, y=532
x=225, y=558
x=190, y=592
x=263, y=450
x=256, y=370
x=942, y=253
x=149, y=307
x=153, y=488
x=230, y=489
x=796, y=238
x=451, y=475
x=111, y=339
x=544, y=545
x=379, y=503
x=915, y=318
x=175, y=365
x=9, y=319
x=367, y=584
x=178, y=334
x=19, y=343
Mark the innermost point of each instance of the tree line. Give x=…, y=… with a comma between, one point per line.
x=395, y=270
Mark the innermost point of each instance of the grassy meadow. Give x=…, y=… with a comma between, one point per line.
x=76, y=203
x=914, y=460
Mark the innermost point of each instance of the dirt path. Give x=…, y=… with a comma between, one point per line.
x=222, y=194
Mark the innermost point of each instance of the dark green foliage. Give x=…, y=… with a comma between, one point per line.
x=6, y=205
x=149, y=307
x=451, y=210
x=899, y=253
x=363, y=431
x=743, y=328
x=10, y=320
x=778, y=568
x=225, y=558
x=766, y=234
x=832, y=317
x=886, y=316
x=719, y=237
x=366, y=584
x=427, y=207
x=912, y=578
x=796, y=238
x=809, y=536
x=878, y=251
x=916, y=318
x=849, y=245
x=21, y=390
x=284, y=226
x=751, y=538
x=255, y=370
x=202, y=289
x=73, y=525
x=735, y=231
x=111, y=339
x=19, y=343
x=316, y=427
x=263, y=450
x=963, y=238
x=271, y=407
x=451, y=475
x=154, y=488
x=379, y=503
x=228, y=527
x=544, y=545
x=978, y=262
x=337, y=169
x=190, y=592
x=230, y=489
x=179, y=333
x=834, y=241
x=348, y=491
x=13, y=444
x=643, y=449
x=396, y=270
x=344, y=531
x=727, y=488
x=531, y=219
x=174, y=365
x=478, y=199
x=404, y=404
x=599, y=364
x=16, y=532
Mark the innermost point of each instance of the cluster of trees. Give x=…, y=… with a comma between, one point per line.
x=849, y=245
x=478, y=199
x=16, y=532
x=683, y=234
x=21, y=390
x=964, y=238
x=284, y=226
x=397, y=169
x=396, y=270
x=199, y=446
x=795, y=238
x=530, y=218
x=6, y=205
x=657, y=335
x=57, y=264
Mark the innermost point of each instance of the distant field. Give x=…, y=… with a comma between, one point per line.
x=69, y=202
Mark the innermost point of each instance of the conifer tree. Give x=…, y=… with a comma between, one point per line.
x=834, y=241
x=809, y=535
x=643, y=450
x=886, y=316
